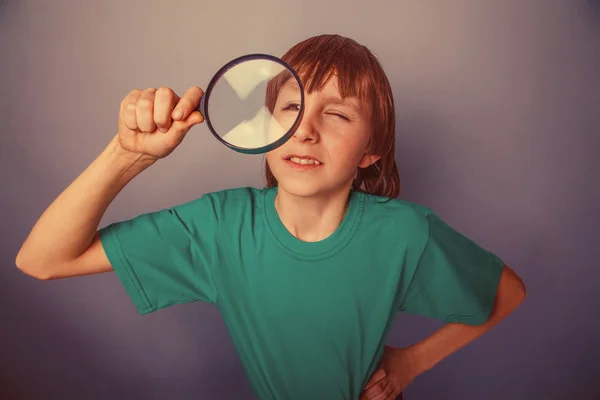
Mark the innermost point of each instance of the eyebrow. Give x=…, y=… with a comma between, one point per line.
x=343, y=102
x=293, y=85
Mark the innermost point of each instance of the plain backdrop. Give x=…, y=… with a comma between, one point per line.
x=498, y=111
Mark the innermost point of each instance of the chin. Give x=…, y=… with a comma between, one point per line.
x=307, y=185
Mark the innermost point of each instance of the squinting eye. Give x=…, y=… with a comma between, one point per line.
x=341, y=116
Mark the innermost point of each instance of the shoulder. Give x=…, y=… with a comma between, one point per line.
x=400, y=223
x=240, y=196
x=227, y=204
x=224, y=202
x=397, y=212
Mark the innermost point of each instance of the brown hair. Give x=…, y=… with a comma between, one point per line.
x=359, y=75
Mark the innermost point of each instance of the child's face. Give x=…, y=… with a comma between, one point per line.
x=334, y=132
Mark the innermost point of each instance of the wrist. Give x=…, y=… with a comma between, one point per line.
x=117, y=154
x=418, y=359
x=125, y=164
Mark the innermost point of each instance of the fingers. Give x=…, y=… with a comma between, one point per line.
x=164, y=103
x=187, y=104
x=144, y=111
x=128, y=106
x=147, y=110
x=378, y=375
x=381, y=390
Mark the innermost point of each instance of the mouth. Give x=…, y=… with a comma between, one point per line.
x=302, y=160
x=302, y=163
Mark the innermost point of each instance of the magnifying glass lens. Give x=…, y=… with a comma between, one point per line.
x=254, y=104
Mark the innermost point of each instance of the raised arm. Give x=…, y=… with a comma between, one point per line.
x=64, y=241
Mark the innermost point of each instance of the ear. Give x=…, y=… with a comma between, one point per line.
x=368, y=160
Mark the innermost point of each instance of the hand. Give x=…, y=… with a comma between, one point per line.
x=396, y=370
x=149, y=123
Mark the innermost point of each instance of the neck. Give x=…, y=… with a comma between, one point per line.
x=312, y=218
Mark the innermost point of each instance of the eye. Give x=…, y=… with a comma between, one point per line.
x=341, y=116
x=291, y=107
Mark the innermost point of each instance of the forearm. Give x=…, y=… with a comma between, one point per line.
x=66, y=228
x=453, y=336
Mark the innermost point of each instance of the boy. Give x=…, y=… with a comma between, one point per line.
x=309, y=272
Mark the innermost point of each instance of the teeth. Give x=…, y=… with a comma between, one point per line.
x=304, y=161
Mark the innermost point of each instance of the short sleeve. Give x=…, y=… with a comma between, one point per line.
x=164, y=257
x=455, y=279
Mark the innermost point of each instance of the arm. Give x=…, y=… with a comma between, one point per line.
x=453, y=336
x=65, y=241
x=400, y=366
x=56, y=246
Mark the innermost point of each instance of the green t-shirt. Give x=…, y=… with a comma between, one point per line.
x=308, y=320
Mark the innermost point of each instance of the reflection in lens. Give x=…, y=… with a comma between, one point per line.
x=250, y=107
x=260, y=131
x=246, y=76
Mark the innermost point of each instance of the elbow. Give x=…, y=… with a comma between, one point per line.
x=511, y=292
x=29, y=269
x=522, y=290
x=514, y=286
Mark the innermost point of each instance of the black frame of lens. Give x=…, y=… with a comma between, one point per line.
x=204, y=102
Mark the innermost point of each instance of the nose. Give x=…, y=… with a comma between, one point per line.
x=307, y=131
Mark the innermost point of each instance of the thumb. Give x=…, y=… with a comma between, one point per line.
x=181, y=128
x=193, y=119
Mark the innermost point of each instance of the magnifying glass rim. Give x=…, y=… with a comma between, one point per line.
x=206, y=98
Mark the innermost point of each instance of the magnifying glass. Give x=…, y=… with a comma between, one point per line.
x=254, y=103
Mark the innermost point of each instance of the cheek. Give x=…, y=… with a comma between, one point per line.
x=347, y=151
x=271, y=157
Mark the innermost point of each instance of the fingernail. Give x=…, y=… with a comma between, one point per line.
x=178, y=114
x=163, y=130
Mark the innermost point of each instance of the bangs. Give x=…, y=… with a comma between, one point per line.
x=317, y=61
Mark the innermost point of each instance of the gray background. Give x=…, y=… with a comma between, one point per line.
x=498, y=123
